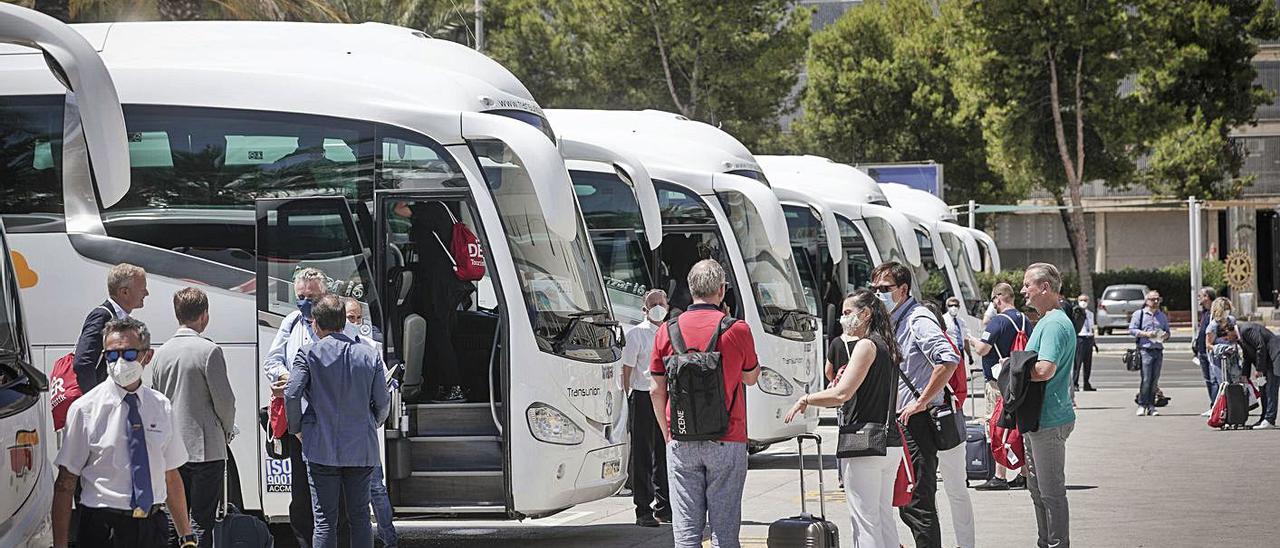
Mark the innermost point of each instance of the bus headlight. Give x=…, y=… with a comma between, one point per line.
x=548, y=424
x=772, y=382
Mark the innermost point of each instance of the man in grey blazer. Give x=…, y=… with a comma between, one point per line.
x=191, y=372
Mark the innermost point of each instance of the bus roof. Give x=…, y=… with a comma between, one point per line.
x=917, y=202
x=659, y=138
x=818, y=174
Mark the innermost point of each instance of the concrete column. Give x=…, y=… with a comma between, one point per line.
x=1242, y=233
x=1099, y=242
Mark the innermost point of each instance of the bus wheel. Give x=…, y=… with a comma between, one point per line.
x=756, y=447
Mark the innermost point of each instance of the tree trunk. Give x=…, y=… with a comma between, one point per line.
x=1073, y=218
x=57, y=9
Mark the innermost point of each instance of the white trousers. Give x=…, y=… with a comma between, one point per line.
x=868, y=488
x=951, y=464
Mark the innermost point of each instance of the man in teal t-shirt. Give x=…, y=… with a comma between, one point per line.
x=1054, y=339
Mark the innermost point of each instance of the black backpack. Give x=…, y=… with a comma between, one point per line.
x=695, y=386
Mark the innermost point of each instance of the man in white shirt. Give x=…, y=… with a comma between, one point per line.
x=121, y=447
x=1084, y=347
x=648, y=451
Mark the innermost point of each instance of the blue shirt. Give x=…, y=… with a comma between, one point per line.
x=1054, y=339
x=922, y=345
x=1212, y=328
x=1145, y=320
x=345, y=385
x=999, y=334
x=1197, y=343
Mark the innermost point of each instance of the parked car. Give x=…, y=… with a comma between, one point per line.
x=1117, y=305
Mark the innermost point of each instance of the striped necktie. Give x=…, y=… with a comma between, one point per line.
x=139, y=463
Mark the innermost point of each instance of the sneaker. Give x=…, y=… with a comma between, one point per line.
x=1142, y=411
x=1264, y=425
x=1207, y=412
x=451, y=394
x=647, y=521
x=993, y=484
x=1151, y=412
x=1019, y=482
x=1090, y=388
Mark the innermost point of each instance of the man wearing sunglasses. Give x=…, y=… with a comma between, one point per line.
x=928, y=361
x=121, y=447
x=1151, y=327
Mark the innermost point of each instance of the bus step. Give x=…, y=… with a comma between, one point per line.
x=452, y=419
x=450, y=489
x=456, y=453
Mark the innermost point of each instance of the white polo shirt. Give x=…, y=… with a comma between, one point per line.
x=637, y=352
x=96, y=444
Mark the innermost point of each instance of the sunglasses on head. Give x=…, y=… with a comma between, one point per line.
x=129, y=354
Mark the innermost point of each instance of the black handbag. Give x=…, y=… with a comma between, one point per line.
x=1133, y=356
x=867, y=439
x=947, y=423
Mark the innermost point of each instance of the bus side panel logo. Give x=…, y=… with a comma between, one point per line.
x=279, y=475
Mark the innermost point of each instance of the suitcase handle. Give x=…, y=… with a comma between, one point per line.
x=822, y=502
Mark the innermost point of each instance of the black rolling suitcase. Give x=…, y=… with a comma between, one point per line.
x=806, y=530
x=231, y=529
x=979, y=465
x=1237, y=404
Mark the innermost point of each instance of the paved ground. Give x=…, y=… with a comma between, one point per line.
x=1166, y=481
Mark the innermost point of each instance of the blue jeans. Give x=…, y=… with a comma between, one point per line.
x=382, y=508
x=1152, y=362
x=706, y=480
x=329, y=484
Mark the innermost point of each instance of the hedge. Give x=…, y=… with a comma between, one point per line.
x=1173, y=281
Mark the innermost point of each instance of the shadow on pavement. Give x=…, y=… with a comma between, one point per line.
x=1081, y=487
x=789, y=461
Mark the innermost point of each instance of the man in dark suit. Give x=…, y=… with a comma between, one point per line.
x=1261, y=352
x=126, y=289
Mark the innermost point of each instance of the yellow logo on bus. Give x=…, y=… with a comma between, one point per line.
x=26, y=276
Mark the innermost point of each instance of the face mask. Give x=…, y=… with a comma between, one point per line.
x=124, y=373
x=304, y=306
x=886, y=298
x=657, y=314
x=848, y=322
x=1083, y=304
x=953, y=310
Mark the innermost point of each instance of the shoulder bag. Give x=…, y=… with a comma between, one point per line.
x=867, y=439
x=948, y=425
x=1133, y=356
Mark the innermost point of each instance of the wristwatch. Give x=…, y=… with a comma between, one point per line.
x=188, y=541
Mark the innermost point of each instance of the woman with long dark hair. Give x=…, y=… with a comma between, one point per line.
x=866, y=391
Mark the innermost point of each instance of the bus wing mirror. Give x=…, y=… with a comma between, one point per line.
x=541, y=159
x=629, y=169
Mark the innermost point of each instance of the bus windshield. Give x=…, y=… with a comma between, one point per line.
x=617, y=232
x=857, y=257
x=558, y=277
x=775, y=286
x=808, y=246
x=963, y=267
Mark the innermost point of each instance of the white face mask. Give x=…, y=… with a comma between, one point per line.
x=953, y=310
x=847, y=322
x=124, y=373
x=886, y=297
x=657, y=314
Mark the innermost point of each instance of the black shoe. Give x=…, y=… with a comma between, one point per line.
x=1018, y=483
x=663, y=518
x=647, y=521
x=1090, y=388
x=993, y=484
x=450, y=394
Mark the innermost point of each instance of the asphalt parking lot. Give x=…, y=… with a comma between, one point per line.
x=1166, y=481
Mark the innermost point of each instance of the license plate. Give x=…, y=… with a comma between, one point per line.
x=611, y=469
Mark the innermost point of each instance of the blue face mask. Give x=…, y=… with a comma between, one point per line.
x=304, y=306
x=886, y=298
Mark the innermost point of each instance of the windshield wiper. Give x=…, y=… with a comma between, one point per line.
x=557, y=344
x=787, y=313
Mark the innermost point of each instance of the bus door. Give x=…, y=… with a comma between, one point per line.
x=444, y=324
x=293, y=234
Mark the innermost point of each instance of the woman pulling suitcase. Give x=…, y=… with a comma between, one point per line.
x=869, y=447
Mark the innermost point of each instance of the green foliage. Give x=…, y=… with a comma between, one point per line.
x=881, y=88
x=1173, y=281
x=728, y=63
x=1196, y=81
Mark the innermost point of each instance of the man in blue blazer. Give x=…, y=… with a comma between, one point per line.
x=126, y=289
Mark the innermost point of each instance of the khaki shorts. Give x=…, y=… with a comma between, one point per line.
x=991, y=394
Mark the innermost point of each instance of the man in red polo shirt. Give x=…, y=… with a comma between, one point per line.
x=706, y=477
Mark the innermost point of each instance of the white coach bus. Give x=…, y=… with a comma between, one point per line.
x=714, y=202
x=314, y=145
